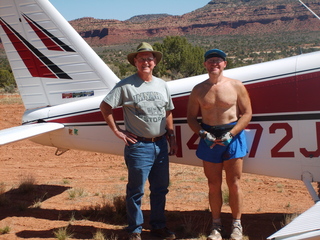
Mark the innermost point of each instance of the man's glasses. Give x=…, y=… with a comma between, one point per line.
x=215, y=61
x=149, y=59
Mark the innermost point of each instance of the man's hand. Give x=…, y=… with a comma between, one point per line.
x=225, y=139
x=126, y=136
x=210, y=140
x=173, y=147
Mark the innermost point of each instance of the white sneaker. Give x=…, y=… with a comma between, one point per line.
x=236, y=232
x=215, y=233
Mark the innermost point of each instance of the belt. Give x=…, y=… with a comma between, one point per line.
x=143, y=139
x=218, y=130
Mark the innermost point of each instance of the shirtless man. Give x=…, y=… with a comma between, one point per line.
x=225, y=108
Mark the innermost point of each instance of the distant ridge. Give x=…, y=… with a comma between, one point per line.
x=147, y=17
x=218, y=17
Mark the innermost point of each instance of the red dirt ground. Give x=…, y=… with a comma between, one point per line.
x=96, y=178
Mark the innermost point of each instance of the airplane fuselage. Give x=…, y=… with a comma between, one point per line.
x=283, y=136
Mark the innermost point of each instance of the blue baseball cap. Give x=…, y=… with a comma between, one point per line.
x=215, y=53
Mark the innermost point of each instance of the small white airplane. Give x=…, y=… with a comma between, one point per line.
x=62, y=82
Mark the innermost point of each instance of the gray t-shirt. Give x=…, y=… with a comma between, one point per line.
x=144, y=105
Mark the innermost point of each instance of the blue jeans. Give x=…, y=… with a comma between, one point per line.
x=147, y=160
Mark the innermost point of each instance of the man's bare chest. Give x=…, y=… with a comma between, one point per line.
x=218, y=98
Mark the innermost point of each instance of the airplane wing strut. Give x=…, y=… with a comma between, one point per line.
x=307, y=180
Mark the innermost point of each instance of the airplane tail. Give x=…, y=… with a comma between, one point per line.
x=51, y=63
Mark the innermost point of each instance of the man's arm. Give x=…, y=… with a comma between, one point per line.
x=244, y=105
x=106, y=111
x=192, y=112
x=126, y=136
x=170, y=133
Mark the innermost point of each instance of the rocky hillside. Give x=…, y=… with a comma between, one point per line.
x=218, y=17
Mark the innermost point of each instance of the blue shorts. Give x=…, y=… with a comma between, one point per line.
x=236, y=149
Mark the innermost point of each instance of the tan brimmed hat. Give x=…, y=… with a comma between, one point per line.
x=144, y=47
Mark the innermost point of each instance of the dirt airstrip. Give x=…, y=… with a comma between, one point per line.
x=71, y=189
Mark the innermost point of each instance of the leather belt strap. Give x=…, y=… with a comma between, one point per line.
x=143, y=139
x=218, y=130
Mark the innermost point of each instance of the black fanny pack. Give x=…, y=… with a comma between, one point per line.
x=218, y=130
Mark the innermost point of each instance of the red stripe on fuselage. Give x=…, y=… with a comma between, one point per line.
x=291, y=94
x=89, y=117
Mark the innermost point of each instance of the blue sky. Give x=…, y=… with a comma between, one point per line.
x=123, y=9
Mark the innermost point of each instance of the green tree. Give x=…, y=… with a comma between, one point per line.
x=6, y=78
x=180, y=58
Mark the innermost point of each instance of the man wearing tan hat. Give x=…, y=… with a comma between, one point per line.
x=147, y=106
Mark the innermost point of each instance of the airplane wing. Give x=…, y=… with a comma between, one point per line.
x=18, y=133
x=305, y=226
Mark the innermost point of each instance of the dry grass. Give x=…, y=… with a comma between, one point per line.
x=99, y=235
x=27, y=184
x=76, y=192
x=5, y=230
x=195, y=226
x=6, y=98
x=113, y=211
x=63, y=233
x=288, y=218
